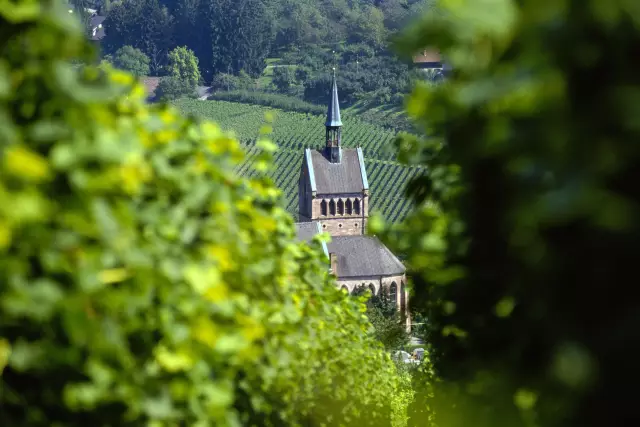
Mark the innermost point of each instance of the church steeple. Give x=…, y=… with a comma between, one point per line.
x=333, y=126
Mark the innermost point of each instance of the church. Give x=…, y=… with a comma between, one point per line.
x=333, y=194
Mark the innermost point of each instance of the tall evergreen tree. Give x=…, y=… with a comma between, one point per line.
x=143, y=24
x=242, y=32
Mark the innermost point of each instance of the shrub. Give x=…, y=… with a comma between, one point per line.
x=274, y=100
x=133, y=60
x=183, y=67
x=171, y=88
x=283, y=78
x=228, y=82
x=388, y=326
x=141, y=281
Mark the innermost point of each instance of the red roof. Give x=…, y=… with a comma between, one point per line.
x=151, y=83
x=427, y=55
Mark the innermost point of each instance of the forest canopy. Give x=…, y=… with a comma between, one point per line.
x=308, y=37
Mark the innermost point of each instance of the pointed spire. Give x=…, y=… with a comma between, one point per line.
x=333, y=113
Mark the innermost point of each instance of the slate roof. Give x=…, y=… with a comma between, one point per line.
x=348, y=176
x=333, y=112
x=306, y=230
x=97, y=29
x=359, y=256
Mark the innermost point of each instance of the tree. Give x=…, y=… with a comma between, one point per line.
x=283, y=78
x=229, y=82
x=242, y=32
x=143, y=24
x=368, y=28
x=526, y=228
x=143, y=282
x=171, y=88
x=301, y=23
x=79, y=8
x=193, y=29
x=132, y=60
x=183, y=66
x=388, y=325
x=105, y=7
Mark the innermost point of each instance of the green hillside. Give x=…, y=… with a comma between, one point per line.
x=295, y=131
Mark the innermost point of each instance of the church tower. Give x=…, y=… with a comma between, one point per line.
x=333, y=188
x=333, y=196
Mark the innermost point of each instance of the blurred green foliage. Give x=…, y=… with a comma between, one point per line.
x=141, y=281
x=525, y=243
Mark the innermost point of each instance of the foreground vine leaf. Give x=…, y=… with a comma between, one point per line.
x=142, y=282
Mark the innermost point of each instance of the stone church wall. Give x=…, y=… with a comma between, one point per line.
x=342, y=226
x=384, y=282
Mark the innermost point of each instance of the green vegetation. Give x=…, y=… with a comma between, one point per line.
x=274, y=100
x=522, y=262
x=390, y=117
x=286, y=46
x=388, y=326
x=295, y=131
x=183, y=76
x=183, y=66
x=142, y=282
x=132, y=60
x=171, y=88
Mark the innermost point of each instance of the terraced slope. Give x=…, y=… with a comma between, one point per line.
x=295, y=131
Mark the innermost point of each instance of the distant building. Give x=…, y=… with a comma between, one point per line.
x=334, y=197
x=96, y=27
x=428, y=59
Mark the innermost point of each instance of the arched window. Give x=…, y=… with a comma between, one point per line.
x=332, y=207
x=393, y=293
x=372, y=289
x=349, y=207
x=340, y=207
x=356, y=206
x=345, y=289
x=323, y=208
x=403, y=299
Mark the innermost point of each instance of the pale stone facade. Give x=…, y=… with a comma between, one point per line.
x=375, y=284
x=350, y=220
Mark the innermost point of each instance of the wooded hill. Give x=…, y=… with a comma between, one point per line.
x=235, y=37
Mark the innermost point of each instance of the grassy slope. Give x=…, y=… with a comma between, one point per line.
x=295, y=131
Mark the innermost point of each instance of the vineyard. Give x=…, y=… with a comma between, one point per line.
x=295, y=131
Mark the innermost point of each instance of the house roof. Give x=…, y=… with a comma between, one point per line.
x=97, y=20
x=359, y=256
x=333, y=112
x=97, y=29
x=305, y=231
x=427, y=55
x=348, y=176
x=150, y=84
